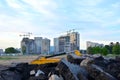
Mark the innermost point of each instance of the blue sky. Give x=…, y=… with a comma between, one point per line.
x=95, y=20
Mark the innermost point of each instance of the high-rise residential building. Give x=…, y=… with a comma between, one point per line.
x=31, y=46
x=74, y=40
x=38, y=45
x=45, y=46
x=67, y=43
x=27, y=46
x=56, y=45
x=93, y=44
x=1, y=51
x=64, y=44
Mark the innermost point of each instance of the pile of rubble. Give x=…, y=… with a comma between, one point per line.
x=73, y=67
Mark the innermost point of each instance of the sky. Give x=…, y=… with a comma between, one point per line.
x=95, y=20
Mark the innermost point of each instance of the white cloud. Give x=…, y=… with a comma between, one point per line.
x=10, y=23
x=89, y=2
x=103, y=17
x=14, y=4
x=43, y=6
x=116, y=5
x=49, y=17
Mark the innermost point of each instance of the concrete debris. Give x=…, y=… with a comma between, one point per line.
x=39, y=72
x=85, y=67
x=69, y=71
x=32, y=72
x=55, y=77
x=98, y=74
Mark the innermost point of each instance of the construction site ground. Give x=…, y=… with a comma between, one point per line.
x=71, y=67
x=8, y=60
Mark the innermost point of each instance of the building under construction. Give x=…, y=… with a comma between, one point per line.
x=38, y=45
x=67, y=43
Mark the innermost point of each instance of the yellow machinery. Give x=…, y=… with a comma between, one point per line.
x=50, y=59
x=77, y=53
x=47, y=59
x=44, y=60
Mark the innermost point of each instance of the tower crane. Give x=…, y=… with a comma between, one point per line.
x=26, y=35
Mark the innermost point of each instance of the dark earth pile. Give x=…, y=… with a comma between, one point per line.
x=85, y=67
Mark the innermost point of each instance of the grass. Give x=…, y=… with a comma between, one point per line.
x=112, y=55
x=7, y=58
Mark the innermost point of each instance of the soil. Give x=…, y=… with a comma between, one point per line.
x=16, y=59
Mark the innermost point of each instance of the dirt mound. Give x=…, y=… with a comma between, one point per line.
x=73, y=68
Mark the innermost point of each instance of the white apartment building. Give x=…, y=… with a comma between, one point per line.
x=38, y=45
x=56, y=45
x=1, y=51
x=67, y=43
x=27, y=46
x=45, y=46
x=93, y=44
x=74, y=40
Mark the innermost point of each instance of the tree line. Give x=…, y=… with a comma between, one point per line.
x=11, y=50
x=107, y=49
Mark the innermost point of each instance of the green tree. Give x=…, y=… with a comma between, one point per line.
x=90, y=50
x=116, y=48
x=11, y=50
x=96, y=50
x=93, y=50
x=109, y=48
x=104, y=51
x=23, y=49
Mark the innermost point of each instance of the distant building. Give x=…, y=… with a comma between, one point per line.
x=67, y=43
x=83, y=51
x=27, y=46
x=93, y=44
x=45, y=46
x=56, y=45
x=38, y=45
x=1, y=51
x=64, y=44
x=74, y=41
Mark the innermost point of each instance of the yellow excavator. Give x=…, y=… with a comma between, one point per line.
x=51, y=59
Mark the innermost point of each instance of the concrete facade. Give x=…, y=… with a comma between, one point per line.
x=1, y=51
x=67, y=43
x=45, y=46
x=93, y=44
x=56, y=45
x=27, y=46
x=38, y=45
